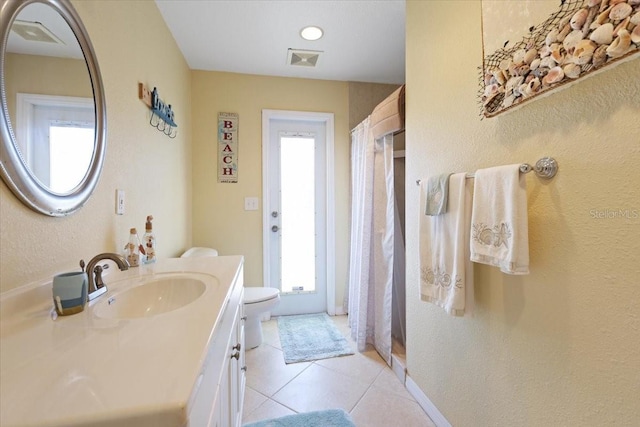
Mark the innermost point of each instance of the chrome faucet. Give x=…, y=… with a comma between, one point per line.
x=94, y=271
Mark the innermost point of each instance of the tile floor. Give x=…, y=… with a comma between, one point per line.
x=361, y=384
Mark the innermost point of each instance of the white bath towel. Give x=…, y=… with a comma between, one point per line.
x=500, y=235
x=446, y=272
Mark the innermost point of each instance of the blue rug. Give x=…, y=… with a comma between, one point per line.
x=328, y=418
x=311, y=337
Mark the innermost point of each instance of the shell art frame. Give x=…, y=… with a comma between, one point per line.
x=577, y=40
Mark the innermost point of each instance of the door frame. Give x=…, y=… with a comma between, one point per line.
x=328, y=120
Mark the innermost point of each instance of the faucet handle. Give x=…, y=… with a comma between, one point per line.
x=98, y=275
x=101, y=267
x=94, y=270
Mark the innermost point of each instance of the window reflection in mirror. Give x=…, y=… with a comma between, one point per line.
x=70, y=149
x=48, y=86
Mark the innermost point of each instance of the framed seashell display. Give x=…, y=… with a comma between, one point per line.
x=535, y=47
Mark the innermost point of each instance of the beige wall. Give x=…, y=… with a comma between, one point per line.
x=44, y=75
x=559, y=346
x=132, y=45
x=219, y=218
x=364, y=97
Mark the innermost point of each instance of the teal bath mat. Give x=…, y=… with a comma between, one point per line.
x=329, y=418
x=311, y=337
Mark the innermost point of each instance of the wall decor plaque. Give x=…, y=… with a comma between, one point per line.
x=535, y=47
x=227, y=147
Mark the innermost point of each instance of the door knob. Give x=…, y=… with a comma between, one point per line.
x=274, y=228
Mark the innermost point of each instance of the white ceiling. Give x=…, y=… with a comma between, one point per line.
x=363, y=39
x=55, y=23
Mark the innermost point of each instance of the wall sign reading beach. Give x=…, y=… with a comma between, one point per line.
x=533, y=47
x=227, y=147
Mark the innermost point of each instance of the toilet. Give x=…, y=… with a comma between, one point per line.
x=199, y=252
x=257, y=301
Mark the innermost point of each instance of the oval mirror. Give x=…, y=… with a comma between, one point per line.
x=53, y=116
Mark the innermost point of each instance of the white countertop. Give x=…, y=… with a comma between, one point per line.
x=84, y=370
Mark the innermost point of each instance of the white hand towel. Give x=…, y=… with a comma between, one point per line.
x=500, y=235
x=446, y=272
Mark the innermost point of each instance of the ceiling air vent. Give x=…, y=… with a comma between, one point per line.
x=34, y=31
x=303, y=58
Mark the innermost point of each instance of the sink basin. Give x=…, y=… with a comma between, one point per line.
x=151, y=298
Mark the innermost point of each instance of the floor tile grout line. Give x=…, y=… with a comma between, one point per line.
x=362, y=397
x=410, y=399
x=282, y=404
x=271, y=400
x=287, y=383
x=366, y=391
x=337, y=371
x=293, y=378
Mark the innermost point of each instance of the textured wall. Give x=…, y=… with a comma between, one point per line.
x=219, y=218
x=44, y=75
x=153, y=169
x=559, y=346
x=364, y=97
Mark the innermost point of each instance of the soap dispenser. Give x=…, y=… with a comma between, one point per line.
x=149, y=242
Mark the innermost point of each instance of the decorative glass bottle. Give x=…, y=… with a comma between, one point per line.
x=149, y=242
x=132, y=248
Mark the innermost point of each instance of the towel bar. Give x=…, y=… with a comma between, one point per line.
x=545, y=168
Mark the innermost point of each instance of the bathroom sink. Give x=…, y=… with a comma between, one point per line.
x=151, y=298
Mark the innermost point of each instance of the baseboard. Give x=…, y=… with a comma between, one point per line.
x=339, y=311
x=427, y=405
x=399, y=369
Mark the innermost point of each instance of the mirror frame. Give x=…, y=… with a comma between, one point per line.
x=13, y=169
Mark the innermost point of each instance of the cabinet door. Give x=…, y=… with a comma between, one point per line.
x=237, y=370
x=216, y=414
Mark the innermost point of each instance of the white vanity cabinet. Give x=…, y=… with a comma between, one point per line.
x=219, y=390
x=179, y=364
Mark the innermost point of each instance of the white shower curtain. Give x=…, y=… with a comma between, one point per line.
x=372, y=240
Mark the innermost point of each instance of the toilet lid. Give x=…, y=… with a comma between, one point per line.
x=253, y=295
x=199, y=252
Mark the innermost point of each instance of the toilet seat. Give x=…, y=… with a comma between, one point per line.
x=254, y=295
x=199, y=252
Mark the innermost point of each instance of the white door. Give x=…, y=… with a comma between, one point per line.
x=296, y=214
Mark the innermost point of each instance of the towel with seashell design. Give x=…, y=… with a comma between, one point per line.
x=446, y=271
x=499, y=219
x=580, y=38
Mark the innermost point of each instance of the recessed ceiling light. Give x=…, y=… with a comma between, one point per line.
x=311, y=33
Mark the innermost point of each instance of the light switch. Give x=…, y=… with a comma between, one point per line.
x=119, y=202
x=250, y=203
